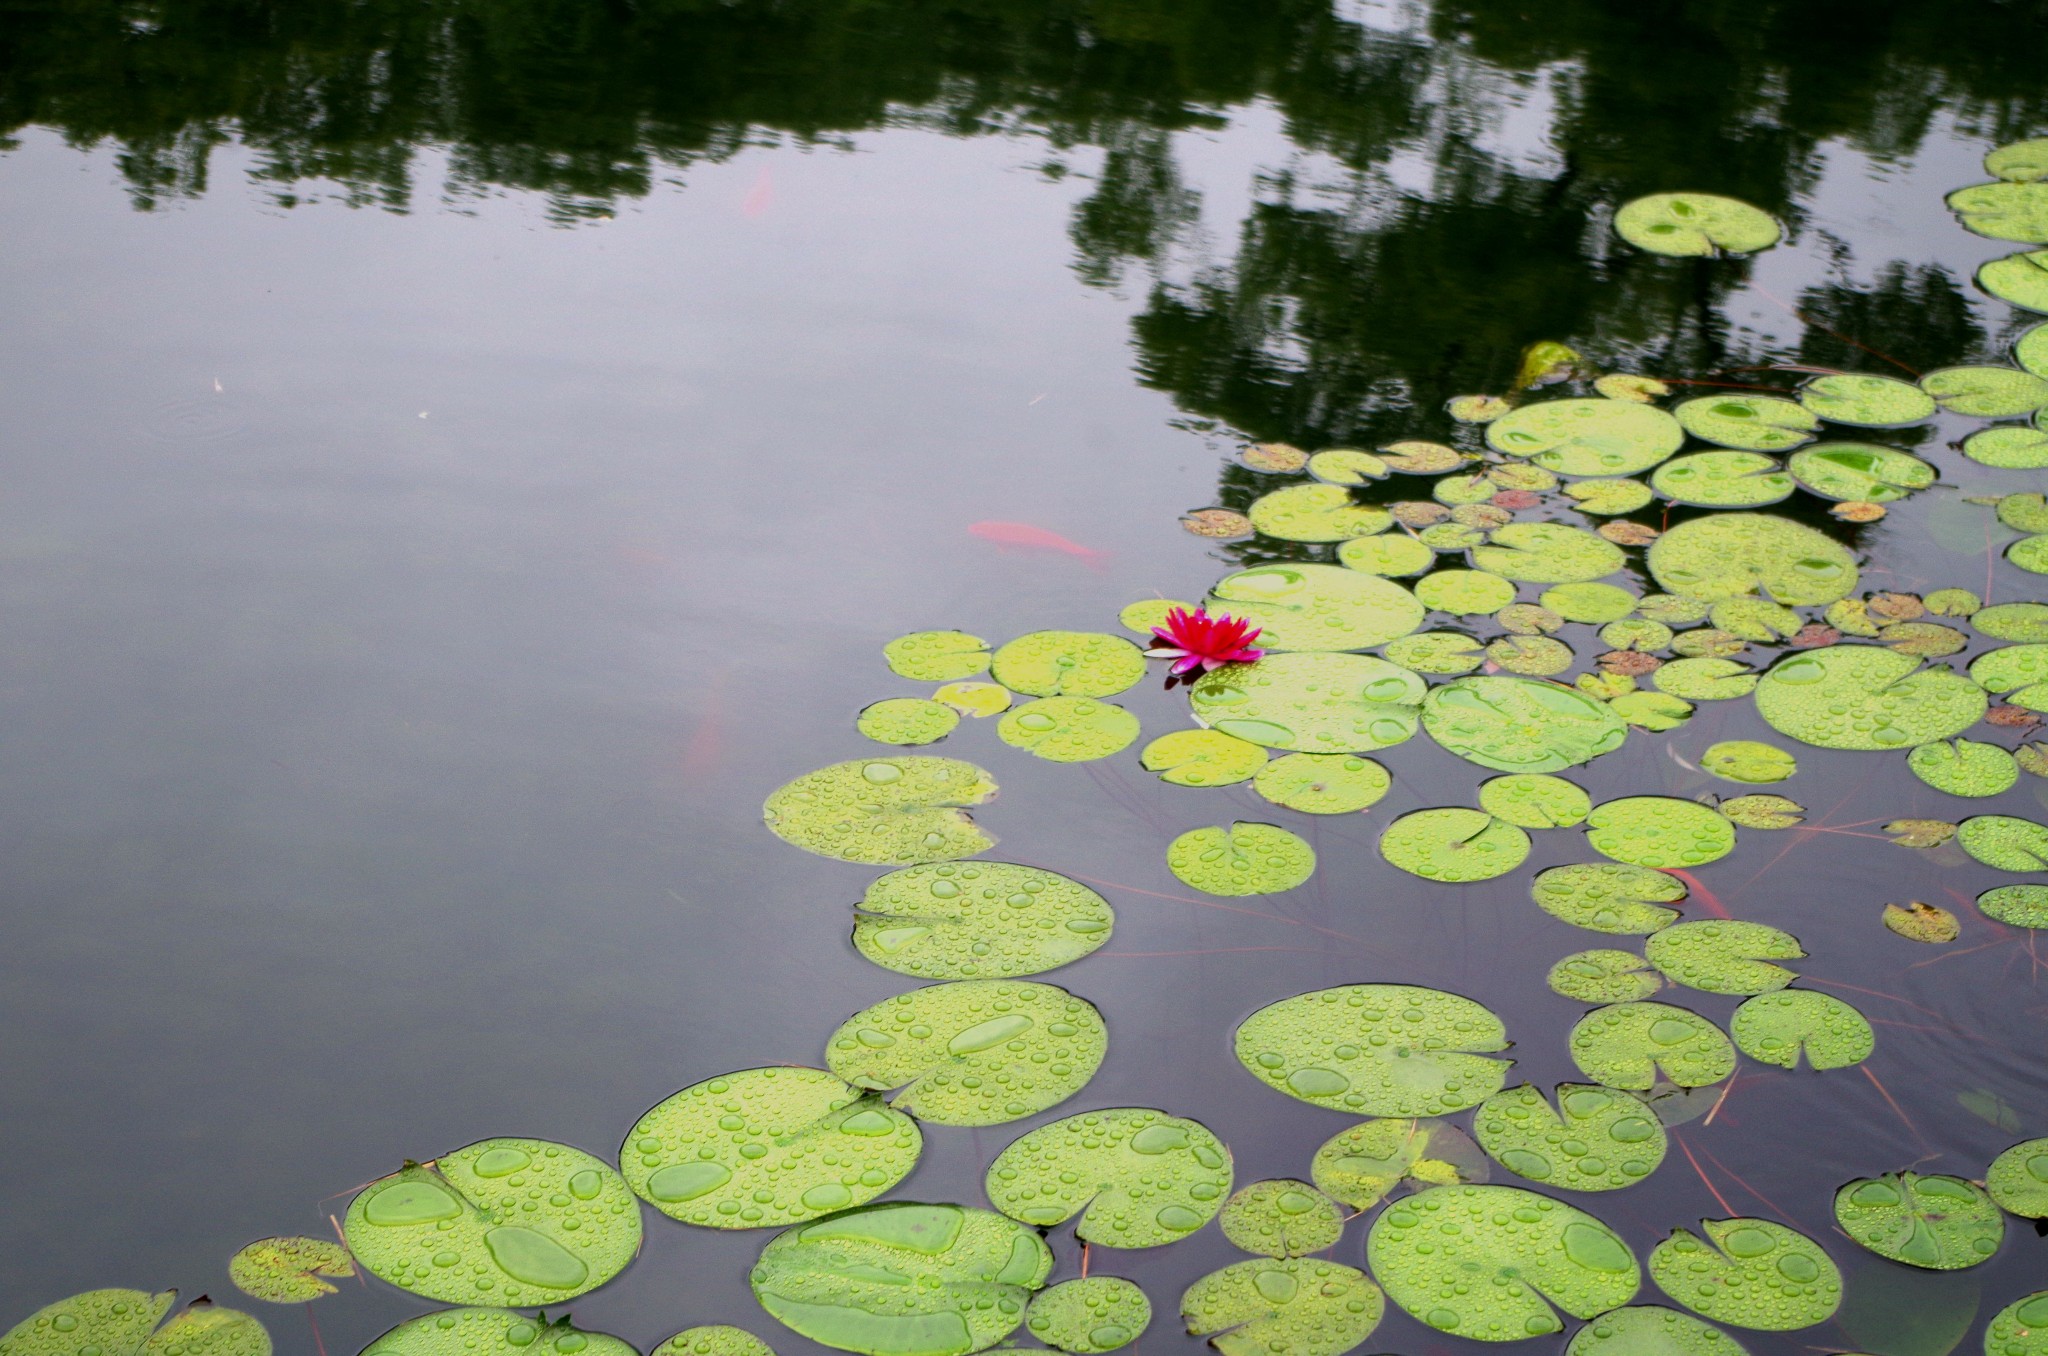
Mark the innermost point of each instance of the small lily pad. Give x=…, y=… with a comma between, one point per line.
x=1763, y=812
x=1777, y=1028
x=1317, y=607
x=1724, y=955
x=1920, y=833
x=1594, y=1139
x=1069, y=729
x=1520, y=724
x=1535, y=801
x=1866, y=401
x=1312, y=703
x=2018, y=279
x=1531, y=656
x=2004, y=211
x=1705, y=679
x=1652, y=710
x=1964, y=767
x=2020, y=1328
x=1392, y=554
x=2023, y=906
x=2021, y=162
x=1089, y=1315
x=1301, y=1306
x=907, y=720
x=1636, y=633
x=1281, y=1217
x=1651, y=1330
x=1594, y=604
x=1865, y=697
x=1729, y=554
x=1347, y=466
x=289, y=1270
x=1202, y=758
x=1694, y=224
x=1454, y=845
x=1627, y=1045
x=2026, y=622
x=2019, y=673
x=1244, y=859
x=1987, y=392
x=2005, y=842
x=1860, y=472
x=1937, y=1222
x=124, y=1323
x=1747, y=760
x=936, y=656
x=1604, y=976
x=1217, y=524
x=1659, y=831
x=713, y=1339
x=1919, y=922
x=1144, y=1178
x=493, y=1332
x=1068, y=664
x=1723, y=480
x=1377, y=1049
x=1274, y=458
x=1752, y=1273
x=978, y=920
x=1316, y=513
x=1448, y=652
x=2018, y=1181
x=1588, y=437
x=1754, y=423
x=1609, y=897
x=1361, y=1165
x=1465, y=593
x=979, y=700
x=1323, y=783
x=1608, y=496
x=1415, y=457
x=1547, y=553
x=2008, y=447
x=884, y=811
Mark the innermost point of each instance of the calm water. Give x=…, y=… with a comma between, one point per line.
x=459, y=458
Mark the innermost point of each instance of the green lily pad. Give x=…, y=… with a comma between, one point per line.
x=974, y=1052
x=2020, y=1328
x=907, y=720
x=1448, y=652
x=978, y=920
x=493, y=1332
x=1604, y=976
x=1465, y=593
x=1609, y=897
x=1377, y=1049
x=903, y=1279
x=2005, y=842
x=936, y=656
x=1756, y=619
x=1202, y=758
x=1144, y=1177
x=1068, y=729
x=1451, y=536
x=1987, y=392
x=1323, y=783
x=979, y=700
x=1535, y=801
x=2021, y=162
x=1347, y=466
x=1488, y=1262
x=289, y=1270
x=884, y=811
x=714, y=1339
x=1866, y=697
x=2008, y=447
x=1520, y=724
x=1594, y=604
x=124, y=1323
x=1453, y=845
x=1763, y=812
x=1547, y=553
x=1594, y=1139
x=2030, y=554
x=1777, y=1028
x=2003, y=211
x=1317, y=607
x=1147, y=613
x=1302, y=1306
x=1860, y=472
x=1964, y=767
x=1316, y=513
x=1361, y=1165
x=1652, y=711
x=1531, y=656
x=1723, y=480
x=2024, y=512
x=2023, y=906
x=1627, y=1045
x=2030, y=350
x=1068, y=664
x=1089, y=1315
x=1587, y=437
x=1281, y=1217
x=1866, y=401
x=1953, y=603
x=519, y=1221
x=1244, y=859
x=1705, y=680
x=1311, y=703
x=1936, y=1222
x=1746, y=760
x=1651, y=1330
x=1460, y=490
x=1609, y=496
x=1691, y=224
x=2019, y=673
x=1636, y=633
x=1753, y=423
x=1729, y=554
x=1722, y=955
x=2018, y=279
x=2018, y=1181
x=1749, y=1272
x=1659, y=831
x=1393, y=554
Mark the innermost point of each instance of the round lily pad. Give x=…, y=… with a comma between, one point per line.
x=1520, y=724
x=907, y=720
x=1746, y=760
x=2018, y=279
x=124, y=1323
x=1964, y=767
x=1937, y=1222
x=2030, y=554
x=1723, y=480
x=1311, y=703
x=1532, y=656
x=1609, y=495
x=1987, y=392
x=1360, y=1165
x=1651, y=1330
x=936, y=656
x=1392, y=554
x=1068, y=664
x=1763, y=812
x=1437, y=652
x=1465, y=593
x=1244, y=859
x=714, y=1339
x=1316, y=513
x=979, y=700
x=1752, y=423
x=2030, y=350
x=2004, y=211
x=1777, y=1028
x=2018, y=1181
x=1069, y=729
x=1604, y=976
x=2008, y=447
x=974, y=1052
x=1866, y=401
x=1281, y=1217
x=517, y=1221
x=1317, y=607
x=1347, y=466
x=1547, y=553
x=1722, y=955
x=1587, y=437
x=1454, y=845
x=1202, y=758
x=1659, y=831
x=1703, y=679
x=1594, y=1139
x=978, y=920
x=1535, y=801
x=1302, y=1306
x=1377, y=1049
x=884, y=811
x=1089, y=1315
x=289, y=1270
x=1860, y=472
x=1144, y=1177
x=2020, y=162
x=903, y=1279
x=1749, y=1272
x=1627, y=1045
x=2020, y=1328
x=1488, y=1262
x=1651, y=710
x=1691, y=224
x=1636, y=633
x=2005, y=842
x=2019, y=673
x=1322, y=783
x=1866, y=697
x=1609, y=896
x=1729, y=554
x=492, y=1332
x=2023, y=906
x=1594, y=604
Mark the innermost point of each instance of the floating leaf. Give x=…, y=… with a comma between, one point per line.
x=1990, y=1107
x=289, y=1270
x=1754, y=423
x=1361, y=1165
x=936, y=656
x=2026, y=622
x=1316, y=513
x=2023, y=906
x=1723, y=480
x=1729, y=554
x=1520, y=724
x=2018, y=1181
x=1476, y=409
x=124, y=1323
x=884, y=811
x=1987, y=392
x=1636, y=633
x=1659, y=831
x=1857, y=511
x=1724, y=955
x=1068, y=664
x=1953, y=602
x=2018, y=279
x=1609, y=897
x=2020, y=1328
x=1466, y=593
x=1686, y=224
x=1594, y=1139
x=1746, y=760
x=1863, y=697
x=1322, y=783
x=1534, y=656
x=1281, y=1217
x=1604, y=976
x=1866, y=401
x=1377, y=1049
x=1964, y=767
x=2020, y=162
x=1488, y=1262
x=1588, y=437
x=978, y=920
x=1392, y=553
x=1923, y=639
x=1940, y=1223
x=1202, y=758
x=1093, y=1314
x=1311, y=703
x=519, y=1221
x=2005, y=842
x=1763, y=812
x=2004, y=211
x=975, y=1052
x=1651, y=1330
x=1594, y=604
x=1547, y=553
x=1705, y=680
x=903, y=1279
x=1776, y=1028
x=493, y=1332
x=1417, y=458
x=1317, y=607
x=1454, y=845
x=2017, y=672
x=1606, y=496
x=1144, y=1177
x=1274, y=458
x=1535, y=801
x=1346, y=466
x=1652, y=710
x=1626, y=386
x=1627, y=1045
x=1217, y=524
x=1301, y=1306
x=1749, y=1272
x=714, y=1339
x=1069, y=729
x=1920, y=833
x=1244, y=859
x=1918, y=922
x=1860, y=472
x=974, y=699
x=908, y=720
x=2008, y=447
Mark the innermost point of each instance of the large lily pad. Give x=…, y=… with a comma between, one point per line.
x=1964, y=767
x=1651, y=1330
x=1719, y=955
x=1454, y=845
x=1752, y=423
x=1316, y=513
x=1609, y=897
x=1089, y=1315
x=516, y=1221
x=1547, y=553
x=978, y=920
x=1627, y=1045
x=975, y=1052
x=2004, y=211
x=1323, y=783
x=1302, y=1306
x=1361, y=1165
x=1317, y=607
x=2019, y=673
x=124, y=1323
x=1866, y=697
x=1588, y=437
x=2018, y=279
x=1866, y=401
x=1861, y=472
x=1749, y=1272
x=2020, y=1328
x=1243, y=859
x=903, y=1279
x=1694, y=224
x=1520, y=724
x=1777, y=1028
x=1937, y=1222
x=1281, y=1217
x=1069, y=729
x=493, y=1332
x=1594, y=1139
x=2005, y=842
x=1723, y=480
x=289, y=1270
x=2018, y=1181
x=1069, y=664
x=1987, y=392
x=884, y=811
x=1312, y=703
x=1144, y=1177
x=1377, y=1049
x=1729, y=554
x=1488, y=1262
x=2023, y=906
x=1659, y=831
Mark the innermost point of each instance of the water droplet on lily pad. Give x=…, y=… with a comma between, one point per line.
x=493, y=1332
x=1301, y=1306
x=1243, y=859
x=1778, y=1028
x=288, y=1270
x=1377, y=1049
x=1143, y=1177
x=1090, y=1315
x=1936, y=1222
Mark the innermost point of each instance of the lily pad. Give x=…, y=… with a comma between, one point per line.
x=1488, y=1262
x=2030, y=350
x=1448, y=652
x=1609, y=897
x=1547, y=553
x=1964, y=767
x=1729, y=554
x=1651, y=1330
x=2019, y=673
x=1281, y=1217
x=1604, y=976
x=1777, y=1028
x=1311, y=703
x=1753, y=423
x=979, y=700
x=1202, y=758
x=1301, y=1306
x=1244, y=859
x=289, y=1270
x=978, y=920
x=493, y=1332
x=1747, y=760
x=974, y=1052
x=1763, y=812
x=907, y=720
x=2023, y=906
x=1608, y=496
x=1068, y=664
x=1377, y=1049
x=936, y=656
x=1317, y=607
x=1347, y=466
x=1721, y=955
x=1535, y=801
x=884, y=811
x=1588, y=437
x=903, y=1279
x=2005, y=842
x=1723, y=480
x=1652, y=710
x=1069, y=729
x=1144, y=1177
x=1323, y=783
x=1627, y=1045
x=1316, y=513
x=1089, y=1315
x=2021, y=162
x=2018, y=279
x=1987, y=392
x=1695, y=224
x=1919, y=922
x=2008, y=447
x=1659, y=831
x=2018, y=1181
x=2030, y=554
x=1749, y=1272
x=1866, y=697
x=2003, y=211
x=1866, y=401
x=1937, y=1222
x=1594, y=604
x=1454, y=845
x=1532, y=656
x=1464, y=593
x=1594, y=1139
x=2020, y=1328
x=1704, y=679
x=124, y=1323
x=1391, y=554
x=1860, y=472
x=1361, y=1165
x=714, y=1339
x=1520, y=724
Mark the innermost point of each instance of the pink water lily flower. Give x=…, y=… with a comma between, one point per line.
x=1196, y=640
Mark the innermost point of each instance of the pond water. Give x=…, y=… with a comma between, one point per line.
x=459, y=460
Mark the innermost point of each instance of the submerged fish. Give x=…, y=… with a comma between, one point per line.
x=1034, y=538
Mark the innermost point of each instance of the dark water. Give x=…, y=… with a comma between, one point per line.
x=459, y=458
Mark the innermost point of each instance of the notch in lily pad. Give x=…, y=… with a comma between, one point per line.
x=1593, y=1139
x=1243, y=859
x=1783, y=1026
x=289, y=1270
x=1935, y=1221
x=1629, y=1045
x=124, y=1323
x=1304, y=1306
x=1696, y=225
x=978, y=920
x=1721, y=955
x=1365, y=1163
x=884, y=811
x=1144, y=1178
x=1377, y=1049
x=1751, y=1273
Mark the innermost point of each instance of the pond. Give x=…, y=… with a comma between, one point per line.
x=463, y=461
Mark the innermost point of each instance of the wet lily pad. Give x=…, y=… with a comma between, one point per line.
x=2018, y=279
x=2018, y=1181
x=1964, y=767
x=1751, y=1273
x=1448, y=652
x=1488, y=1262
x=1752, y=423
x=517, y=1221
x=1865, y=697
x=1347, y=466
x=1360, y=1166
x=1143, y=1177
x=884, y=811
x=1937, y=1222
x=1202, y=758
x=1281, y=1217
x=1604, y=976
x=1323, y=783
x=978, y=920
x=936, y=656
x=1723, y=480
x=2008, y=447
x=2020, y=1328
x=907, y=720
x=1691, y=224
x=1392, y=554
x=1520, y=724
x=1730, y=554
x=1317, y=607
x=1274, y=458
x=2019, y=673
x=1547, y=553
x=1068, y=664
x=1588, y=437
x=2030, y=350
x=1721, y=955
x=1636, y=633
x=974, y=1052
x=1866, y=401
x=714, y=1339
x=903, y=1279
x=1627, y=1045
x=1464, y=593
x=979, y=700
x=1535, y=801
x=1651, y=1330
x=493, y=1332
x=1659, y=831
x=1594, y=1139
x=1918, y=922
x=1377, y=1049
x=289, y=1270
x=1747, y=760
x=124, y=1323
x=2030, y=554
x=1316, y=513
x=1243, y=859
x=1069, y=729
x=1777, y=1028
x=1594, y=604
x=1860, y=472
x=1652, y=710
x=1531, y=656
x=1302, y=1306
x=1987, y=392
x=1454, y=845
x=1609, y=897
x=1089, y=1315
x=1705, y=680
x=1312, y=703
x=1608, y=496
x=2023, y=906
x=1763, y=812
x=2005, y=842
x=2003, y=211
x=2020, y=162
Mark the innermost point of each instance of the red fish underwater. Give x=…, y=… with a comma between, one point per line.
x=1024, y=535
